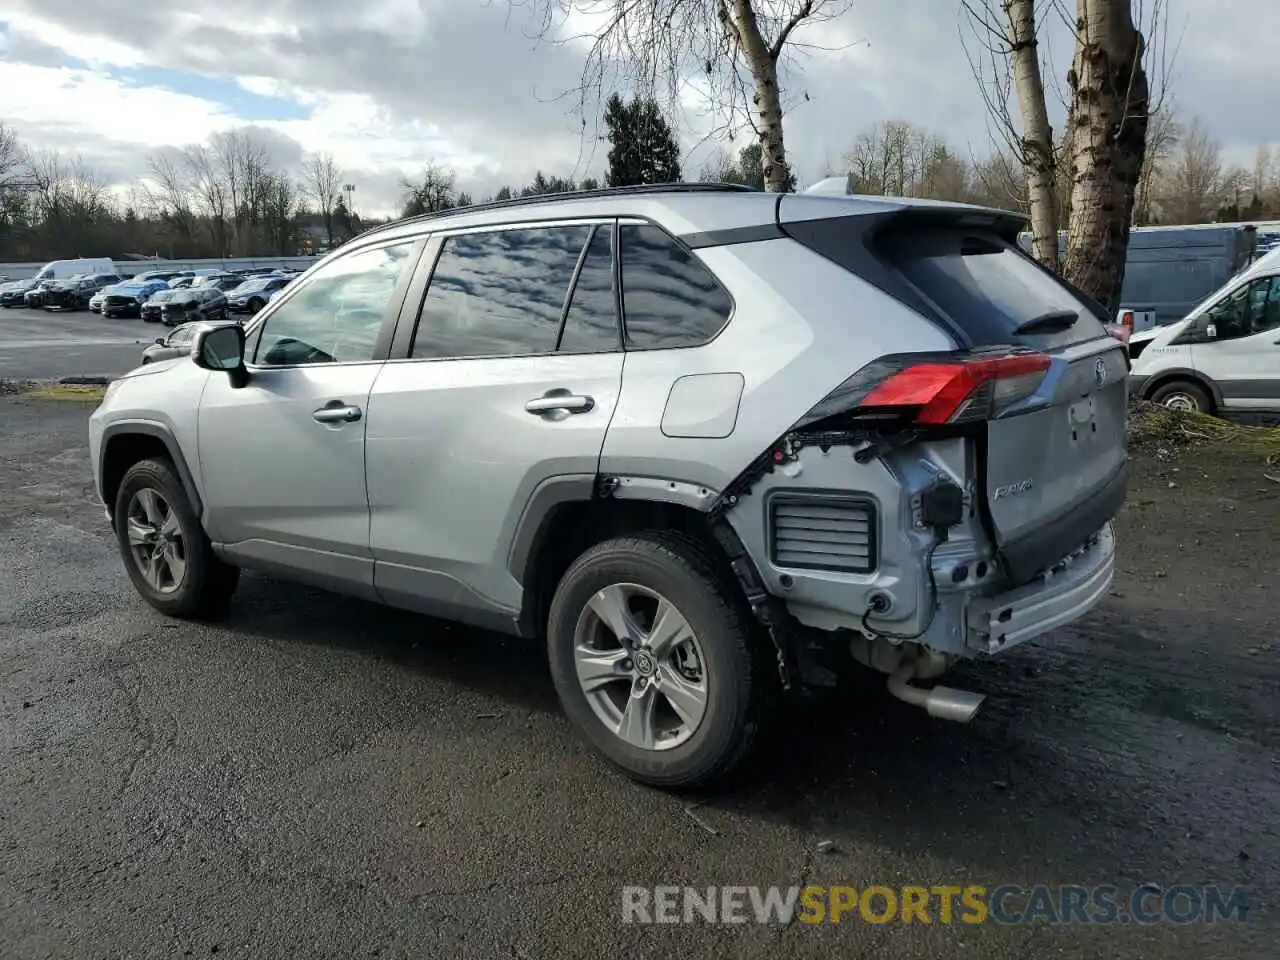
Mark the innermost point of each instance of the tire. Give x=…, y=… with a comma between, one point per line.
x=255, y=305
x=206, y=584
x=681, y=570
x=1183, y=395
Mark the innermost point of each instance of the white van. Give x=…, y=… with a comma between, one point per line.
x=1224, y=356
x=65, y=269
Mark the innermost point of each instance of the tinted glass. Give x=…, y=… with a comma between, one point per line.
x=669, y=299
x=336, y=316
x=499, y=294
x=591, y=326
x=987, y=285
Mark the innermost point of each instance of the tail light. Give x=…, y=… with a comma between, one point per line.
x=935, y=389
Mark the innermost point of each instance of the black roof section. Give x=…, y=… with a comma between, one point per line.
x=640, y=189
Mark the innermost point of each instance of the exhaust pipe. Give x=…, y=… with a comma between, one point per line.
x=944, y=703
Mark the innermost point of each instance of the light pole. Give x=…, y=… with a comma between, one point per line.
x=348, y=189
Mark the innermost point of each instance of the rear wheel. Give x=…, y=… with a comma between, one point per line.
x=654, y=661
x=1183, y=395
x=165, y=549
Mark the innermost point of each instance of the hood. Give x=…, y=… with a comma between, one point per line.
x=167, y=296
x=1165, y=333
x=17, y=286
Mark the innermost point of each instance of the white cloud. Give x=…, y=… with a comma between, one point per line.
x=389, y=85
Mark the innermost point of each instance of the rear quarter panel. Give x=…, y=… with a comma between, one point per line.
x=800, y=326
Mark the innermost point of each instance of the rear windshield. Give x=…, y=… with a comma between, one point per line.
x=990, y=288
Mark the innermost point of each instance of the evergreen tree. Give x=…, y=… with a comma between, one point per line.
x=643, y=148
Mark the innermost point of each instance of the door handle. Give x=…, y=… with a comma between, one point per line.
x=336, y=412
x=554, y=402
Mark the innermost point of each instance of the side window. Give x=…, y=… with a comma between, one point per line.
x=591, y=325
x=1230, y=316
x=498, y=294
x=1265, y=314
x=669, y=299
x=337, y=315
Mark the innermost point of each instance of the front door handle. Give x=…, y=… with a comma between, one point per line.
x=556, y=402
x=336, y=412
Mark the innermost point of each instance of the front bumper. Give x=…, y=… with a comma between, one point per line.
x=175, y=316
x=120, y=306
x=1065, y=593
x=62, y=300
x=1136, y=384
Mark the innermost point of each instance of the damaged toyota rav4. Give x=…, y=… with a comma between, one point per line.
x=707, y=444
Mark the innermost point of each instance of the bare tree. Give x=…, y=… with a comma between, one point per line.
x=1163, y=131
x=897, y=158
x=1194, y=185
x=10, y=159
x=999, y=180
x=733, y=47
x=1110, y=108
x=430, y=192
x=1009, y=37
x=169, y=190
x=322, y=182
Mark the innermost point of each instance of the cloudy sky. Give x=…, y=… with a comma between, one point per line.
x=388, y=85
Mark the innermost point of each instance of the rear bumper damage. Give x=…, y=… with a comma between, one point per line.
x=1062, y=594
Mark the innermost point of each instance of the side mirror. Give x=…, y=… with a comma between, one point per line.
x=160, y=340
x=221, y=348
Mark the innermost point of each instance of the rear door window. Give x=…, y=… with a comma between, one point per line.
x=992, y=290
x=499, y=294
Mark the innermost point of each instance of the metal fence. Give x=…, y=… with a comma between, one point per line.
x=20, y=271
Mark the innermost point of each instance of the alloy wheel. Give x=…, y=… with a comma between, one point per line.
x=640, y=666
x=155, y=540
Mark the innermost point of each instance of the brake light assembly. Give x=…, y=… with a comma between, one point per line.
x=932, y=390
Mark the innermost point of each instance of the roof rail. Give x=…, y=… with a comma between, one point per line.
x=639, y=189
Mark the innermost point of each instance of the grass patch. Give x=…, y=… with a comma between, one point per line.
x=67, y=392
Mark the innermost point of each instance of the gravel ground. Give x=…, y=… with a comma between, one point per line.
x=319, y=777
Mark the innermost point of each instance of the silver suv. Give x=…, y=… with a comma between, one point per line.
x=710, y=444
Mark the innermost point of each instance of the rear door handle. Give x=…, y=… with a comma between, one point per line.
x=336, y=412
x=552, y=403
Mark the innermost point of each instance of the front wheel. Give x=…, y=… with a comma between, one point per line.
x=654, y=659
x=1184, y=396
x=165, y=549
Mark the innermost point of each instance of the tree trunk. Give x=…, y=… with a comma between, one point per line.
x=767, y=102
x=1108, y=128
x=1037, y=136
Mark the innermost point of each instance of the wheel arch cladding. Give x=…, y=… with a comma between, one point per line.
x=1173, y=374
x=127, y=442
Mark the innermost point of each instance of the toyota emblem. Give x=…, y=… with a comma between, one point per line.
x=1100, y=372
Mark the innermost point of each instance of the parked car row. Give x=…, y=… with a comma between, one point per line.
x=96, y=284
